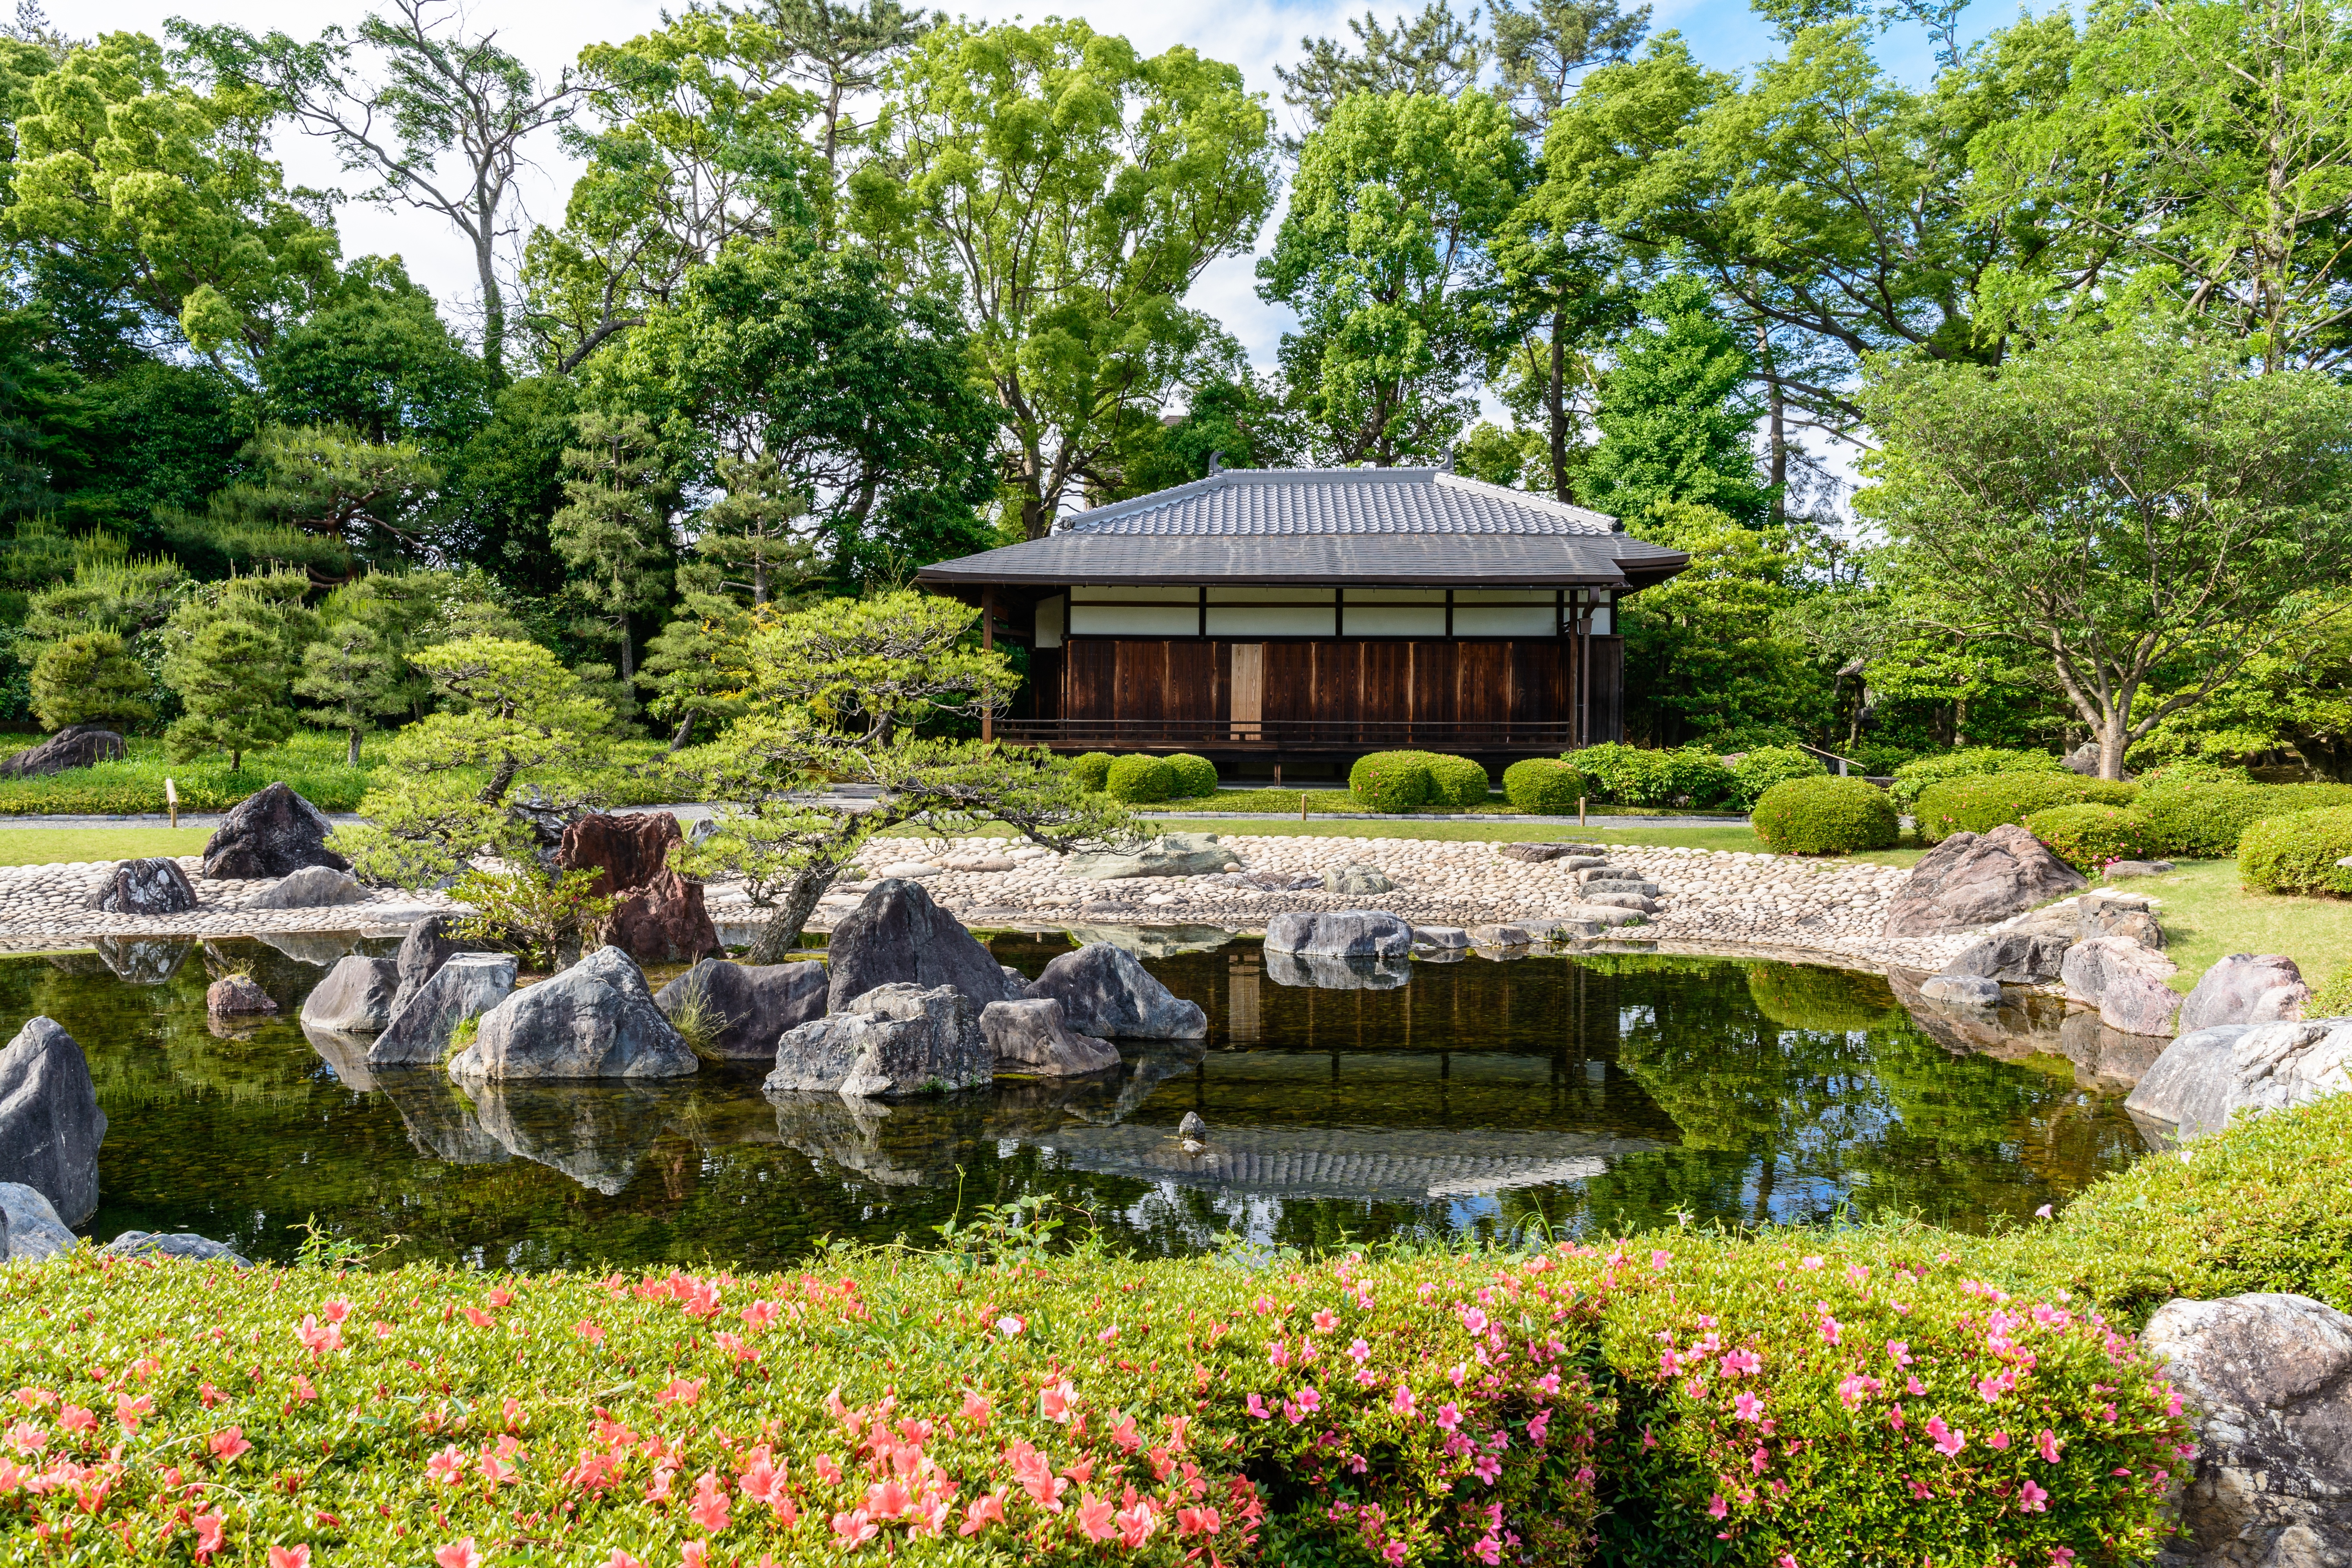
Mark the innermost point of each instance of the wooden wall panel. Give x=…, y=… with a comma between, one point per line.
x=1384, y=680
x=1192, y=688
x=1540, y=680
x=1092, y=681
x=1142, y=679
x=1433, y=681
x=1607, y=721
x=1290, y=679
x=1046, y=676
x=1482, y=687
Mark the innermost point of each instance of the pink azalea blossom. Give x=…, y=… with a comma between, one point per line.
x=621, y=1559
x=2047, y=1446
x=1401, y=1402
x=1009, y=1325
x=1747, y=1407
x=1716, y=1506
x=2031, y=1498
x=1326, y=1321
x=458, y=1554
x=290, y=1556
x=1948, y=1442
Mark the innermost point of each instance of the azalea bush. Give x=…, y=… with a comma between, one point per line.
x=1980, y=804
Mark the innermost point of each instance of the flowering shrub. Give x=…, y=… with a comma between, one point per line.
x=2089, y=836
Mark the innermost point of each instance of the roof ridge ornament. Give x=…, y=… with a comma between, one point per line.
x=1217, y=461
x=1447, y=465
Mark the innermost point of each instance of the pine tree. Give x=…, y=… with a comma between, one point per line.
x=696, y=666
x=90, y=679
x=752, y=525
x=615, y=534
x=359, y=670
x=233, y=652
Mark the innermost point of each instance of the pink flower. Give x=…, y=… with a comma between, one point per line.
x=2041, y=1212
x=1326, y=1321
x=1658, y=1260
x=1136, y=1523
x=1056, y=1401
x=1256, y=1408
x=621, y=1559
x=320, y=1338
x=853, y=1530
x=2032, y=1498
x=210, y=1528
x=1448, y=1416
x=1948, y=1441
x=1361, y=1351
x=1830, y=1328
x=985, y=1509
x=681, y=1391
x=1402, y=1404
x=1808, y=1263
x=1998, y=1441
x=593, y=1335
x=1489, y=1550
x=2047, y=1446
x=1747, y=1407
x=458, y=1554
x=1742, y=1362
x=1309, y=1400
x=2061, y=1555
x=1096, y=1518
x=1717, y=1507
x=448, y=1466
x=1899, y=1351
x=228, y=1443
x=1009, y=1325
x=1474, y=1319
x=290, y=1556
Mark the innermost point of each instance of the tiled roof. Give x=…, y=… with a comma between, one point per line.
x=1327, y=501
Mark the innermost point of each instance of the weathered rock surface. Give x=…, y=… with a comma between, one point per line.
x=1506, y=933
x=355, y=997
x=2016, y=957
x=887, y=1043
x=312, y=887
x=236, y=995
x=427, y=946
x=33, y=1232
x=2124, y=981
x=185, y=1245
x=1166, y=854
x=1105, y=992
x=2123, y=870
x=664, y=922
x=596, y=1019
x=467, y=985
x=752, y=1005
x=152, y=886
x=2104, y=1057
x=1343, y=934
x=1595, y=886
x=1961, y=990
x=1542, y=852
x=2245, y=988
x=1638, y=904
x=2270, y=1379
x=1355, y=880
x=627, y=851
x=897, y=936
x=1441, y=938
x=1031, y=1037
x=50, y=1125
x=75, y=746
x=271, y=832
x=2206, y=1076
x=1972, y=880
x=1605, y=915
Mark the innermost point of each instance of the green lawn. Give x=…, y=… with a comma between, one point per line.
x=2208, y=915
x=43, y=846
x=1731, y=835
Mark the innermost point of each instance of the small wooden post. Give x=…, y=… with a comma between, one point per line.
x=987, y=644
x=172, y=802
x=1302, y=806
x=1579, y=811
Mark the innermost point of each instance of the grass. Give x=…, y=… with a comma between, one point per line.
x=47, y=845
x=2207, y=915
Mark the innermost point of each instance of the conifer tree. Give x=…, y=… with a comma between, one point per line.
x=1674, y=422
x=233, y=654
x=615, y=532
x=90, y=679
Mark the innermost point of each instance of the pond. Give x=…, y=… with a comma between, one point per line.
x=1584, y=1093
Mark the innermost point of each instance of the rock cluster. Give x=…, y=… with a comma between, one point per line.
x=425, y=1023
x=748, y=1007
x=157, y=887
x=75, y=746
x=890, y=1042
x=899, y=936
x=596, y=1019
x=660, y=916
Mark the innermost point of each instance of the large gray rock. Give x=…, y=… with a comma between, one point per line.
x=1599, y=885
x=152, y=887
x=1961, y=990
x=272, y=832
x=596, y=1019
x=1972, y=880
x=427, y=946
x=2206, y=1076
x=1031, y=1037
x=468, y=985
x=1639, y=903
x=1539, y=853
x=1356, y=881
x=2269, y=1379
x=33, y=1231
x=2124, y=981
x=312, y=888
x=749, y=1005
x=2016, y=957
x=1166, y=854
x=355, y=997
x=50, y=1125
x=897, y=936
x=1106, y=992
x=2125, y=915
x=2246, y=988
x=891, y=1042
x=185, y=1244
x=1346, y=933
x=75, y=746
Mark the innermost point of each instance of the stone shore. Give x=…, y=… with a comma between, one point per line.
x=42, y=906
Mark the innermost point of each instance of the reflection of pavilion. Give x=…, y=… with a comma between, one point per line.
x=1341, y=1162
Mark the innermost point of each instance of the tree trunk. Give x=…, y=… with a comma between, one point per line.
x=782, y=932
x=628, y=652
x=1959, y=721
x=494, y=305
x=351, y=755
x=685, y=730
x=1556, y=401
x=1778, y=428
x=759, y=579
x=500, y=782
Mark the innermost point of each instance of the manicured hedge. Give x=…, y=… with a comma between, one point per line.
x=1913, y=778
x=2197, y=820
x=1140, y=780
x=1459, y=782
x=2088, y=836
x=1634, y=775
x=1823, y=815
x=1544, y=787
x=1408, y=780
x=1758, y=771
x=2297, y=853
x=1980, y=804
x=1092, y=768
x=1195, y=775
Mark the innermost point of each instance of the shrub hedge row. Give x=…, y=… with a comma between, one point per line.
x=2297, y=853
x=1912, y=779
x=1981, y=803
x=1541, y=787
x=1140, y=780
x=1408, y=781
x=2088, y=836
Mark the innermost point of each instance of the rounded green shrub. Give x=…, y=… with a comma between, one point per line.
x=1195, y=775
x=2297, y=853
x=2088, y=836
x=1140, y=780
x=1760, y=770
x=1913, y=778
x=1457, y=781
x=2194, y=819
x=1981, y=803
x=1392, y=781
x=1696, y=776
x=1544, y=787
x=1824, y=815
x=1092, y=768
x=1627, y=775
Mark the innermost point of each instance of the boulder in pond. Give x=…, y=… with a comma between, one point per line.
x=2019, y=957
x=1318, y=972
x=1105, y=992
x=2269, y=1376
x=152, y=886
x=625, y=849
x=664, y=922
x=183, y=1244
x=236, y=995
x=427, y=946
x=2099, y=966
x=1166, y=855
x=596, y=1019
x=1343, y=934
x=1031, y=1037
x=50, y=1125
x=312, y=888
x=748, y=1006
x=2208, y=1075
x=272, y=832
x=890, y=1042
x=75, y=746
x=467, y=986
x=897, y=936
x=30, y=1230
x=1973, y=879
x=355, y=997
x=2246, y=988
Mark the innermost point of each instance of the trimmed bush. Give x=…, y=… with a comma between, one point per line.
x=1697, y=775
x=1912, y=779
x=1195, y=775
x=1092, y=768
x=1457, y=781
x=1627, y=775
x=2297, y=853
x=1544, y=787
x=1982, y=803
x=2195, y=819
x=1140, y=780
x=1392, y=781
x=2087, y=837
x=1824, y=815
x=1760, y=770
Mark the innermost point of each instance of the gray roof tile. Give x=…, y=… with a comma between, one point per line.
x=1338, y=502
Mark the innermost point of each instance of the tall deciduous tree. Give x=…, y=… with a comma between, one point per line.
x=1068, y=192
x=2113, y=503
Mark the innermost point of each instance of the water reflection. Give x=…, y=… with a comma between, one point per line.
x=1464, y=1097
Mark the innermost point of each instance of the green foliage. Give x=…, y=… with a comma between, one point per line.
x=1758, y=771
x=1981, y=803
x=310, y=764
x=1138, y=780
x=894, y=659
x=506, y=482
x=1407, y=781
x=1829, y=1001
x=2192, y=819
x=377, y=358
x=695, y=666
x=542, y=915
x=2297, y=853
x=2088, y=836
x=1627, y=775
x=1823, y=815
x=1545, y=786
x=1673, y=415
x=358, y=670
x=321, y=498
x=1092, y=769
x=1457, y=781
x=2333, y=1000
x=234, y=650
x=1913, y=778
x=90, y=679
x=613, y=530
x=1195, y=776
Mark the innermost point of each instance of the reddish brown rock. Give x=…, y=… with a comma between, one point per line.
x=664, y=922
x=235, y=995
x=627, y=852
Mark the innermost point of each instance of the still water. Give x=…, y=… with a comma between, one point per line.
x=1590, y=1094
